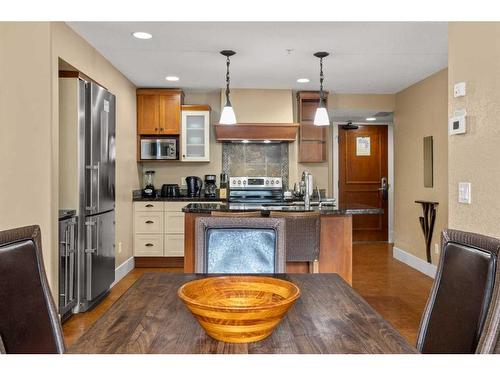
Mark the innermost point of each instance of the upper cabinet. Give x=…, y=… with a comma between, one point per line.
x=195, y=137
x=159, y=111
x=312, y=138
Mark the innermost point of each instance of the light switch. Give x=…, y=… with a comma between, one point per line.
x=464, y=192
x=459, y=89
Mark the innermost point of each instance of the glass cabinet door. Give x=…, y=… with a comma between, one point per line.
x=195, y=135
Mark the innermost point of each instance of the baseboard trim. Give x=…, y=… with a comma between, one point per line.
x=414, y=262
x=123, y=269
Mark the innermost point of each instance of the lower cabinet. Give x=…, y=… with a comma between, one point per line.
x=159, y=229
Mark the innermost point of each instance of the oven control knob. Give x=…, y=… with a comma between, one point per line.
x=244, y=182
x=272, y=182
x=239, y=182
x=277, y=182
x=267, y=182
x=234, y=182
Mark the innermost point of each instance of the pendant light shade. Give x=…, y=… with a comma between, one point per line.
x=227, y=116
x=321, y=116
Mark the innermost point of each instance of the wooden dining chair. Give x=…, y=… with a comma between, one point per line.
x=239, y=245
x=302, y=237
x=29, y=323
x=461, y=295
x=236, y=213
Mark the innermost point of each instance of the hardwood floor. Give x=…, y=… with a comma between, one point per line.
x=396, y=291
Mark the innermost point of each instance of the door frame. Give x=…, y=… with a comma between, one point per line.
x=390, y=168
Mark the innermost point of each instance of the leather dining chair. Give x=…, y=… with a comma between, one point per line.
x=29, y=323
x=461, y=295
x=302, y=237
x=239, y=245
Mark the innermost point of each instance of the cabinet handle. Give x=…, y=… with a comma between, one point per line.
x=149, y=222
x=149, y=244
x=149, y=205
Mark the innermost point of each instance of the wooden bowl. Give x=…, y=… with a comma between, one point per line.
x=239, y=308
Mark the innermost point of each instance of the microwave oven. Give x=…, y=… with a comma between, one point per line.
x=159, y=148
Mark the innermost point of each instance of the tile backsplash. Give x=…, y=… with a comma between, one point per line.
x=256, y=159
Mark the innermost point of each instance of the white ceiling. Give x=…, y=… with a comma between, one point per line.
x=367, y=57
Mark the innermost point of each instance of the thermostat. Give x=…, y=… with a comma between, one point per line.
x=457, y=125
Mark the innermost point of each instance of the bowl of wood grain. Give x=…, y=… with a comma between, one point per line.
x=239, y=309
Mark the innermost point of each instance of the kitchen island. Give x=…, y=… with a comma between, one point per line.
x=335, y=234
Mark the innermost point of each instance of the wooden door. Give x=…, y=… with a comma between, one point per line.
x=170, y=113
x=362, y=168
x=148, y=114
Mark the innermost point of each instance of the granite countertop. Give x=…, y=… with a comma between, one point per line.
x=352, y=209
x=137, y=197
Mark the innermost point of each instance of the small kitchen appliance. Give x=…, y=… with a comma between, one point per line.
x=159, y=148
x=194, y=185
x=210, y=186
x=170, y=191
x=149, y=187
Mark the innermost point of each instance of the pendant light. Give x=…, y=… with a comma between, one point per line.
x=227, y=116
x=321, y=116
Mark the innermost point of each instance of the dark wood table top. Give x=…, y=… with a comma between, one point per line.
x=329, y=317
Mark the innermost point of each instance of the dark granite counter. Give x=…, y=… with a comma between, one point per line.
x=265, y=210
x=137, y=197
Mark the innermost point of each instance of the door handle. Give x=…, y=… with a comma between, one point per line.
x=92, y=168
x=384, y=188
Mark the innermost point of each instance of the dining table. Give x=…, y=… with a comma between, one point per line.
x=329, y=317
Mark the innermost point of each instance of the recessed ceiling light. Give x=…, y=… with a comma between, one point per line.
x=142, y=35
x=245, y=141
x=172, y=78
x=371, y=118
x=303, y=80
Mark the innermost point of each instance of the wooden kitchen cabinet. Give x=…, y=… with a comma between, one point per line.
x=159, y=111
x=312, y=138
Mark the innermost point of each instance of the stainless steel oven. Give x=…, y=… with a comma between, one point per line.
x=159, y=148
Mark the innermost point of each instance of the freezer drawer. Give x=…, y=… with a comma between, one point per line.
x=99, y=254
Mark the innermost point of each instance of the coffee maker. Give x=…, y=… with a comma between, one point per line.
x=210, y=186
x=194, y=185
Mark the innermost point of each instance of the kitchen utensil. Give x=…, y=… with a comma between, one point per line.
x=239, y=308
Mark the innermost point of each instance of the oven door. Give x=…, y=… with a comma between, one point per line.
x=159, y=149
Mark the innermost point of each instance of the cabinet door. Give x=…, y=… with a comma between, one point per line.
x=174, y=245
x=148, y=114
x=174, y=222
x=195, y=136
x=170, y=113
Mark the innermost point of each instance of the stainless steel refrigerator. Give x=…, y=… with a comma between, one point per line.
x=94, y=180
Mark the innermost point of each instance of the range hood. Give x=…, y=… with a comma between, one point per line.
x=256, y=132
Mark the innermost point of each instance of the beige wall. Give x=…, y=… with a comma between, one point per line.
x=29, y=111
x=474, y=58
x=172, y=172
x=25, y=132
x=421, y=110
x=70, y=47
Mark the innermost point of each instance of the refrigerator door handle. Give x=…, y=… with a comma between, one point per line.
x=72, y=247
x=66, y=268
x=91, y=168
x=97, y=169
x=89, y=250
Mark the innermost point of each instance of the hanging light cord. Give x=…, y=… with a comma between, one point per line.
x=321, y=77
x=227, y=80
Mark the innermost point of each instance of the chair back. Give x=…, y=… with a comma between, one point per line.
x=302, y=235
x=236, y=213
x=29, y=323
x=460, y=297
x=239, y=245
